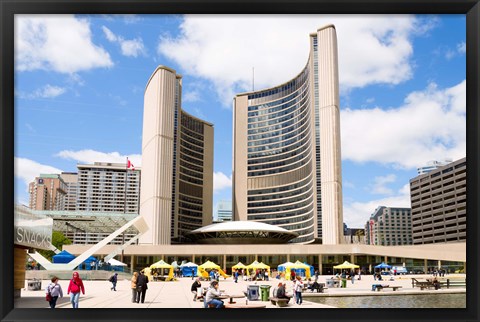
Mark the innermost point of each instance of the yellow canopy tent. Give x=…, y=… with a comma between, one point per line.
x=210, y=265
x=297, y=265
x=256, y=265
x=239, y=266
x=146, y=272
x=346, y=265
x=162, y=265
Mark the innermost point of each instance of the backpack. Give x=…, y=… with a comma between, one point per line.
x=110, y=279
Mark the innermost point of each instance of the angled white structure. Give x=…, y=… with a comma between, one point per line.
x=286, y=158
x=138, y=222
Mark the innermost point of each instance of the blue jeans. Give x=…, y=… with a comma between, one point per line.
x=218, y=304
x=74, y=298
x=53, y=302
x=298, y=297
x=114, y=285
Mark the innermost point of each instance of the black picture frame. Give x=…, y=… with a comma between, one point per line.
x=9, y=8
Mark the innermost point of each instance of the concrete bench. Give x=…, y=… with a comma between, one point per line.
x=280, y=302
x=379, y=287
x=319, y=287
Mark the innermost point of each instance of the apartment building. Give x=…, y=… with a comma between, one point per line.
x=389, y=226
x=439, y=200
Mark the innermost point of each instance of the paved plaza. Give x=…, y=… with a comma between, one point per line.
x=177, y=294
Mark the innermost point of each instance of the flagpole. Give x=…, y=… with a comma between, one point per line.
x=125, y=194
x=124, y=206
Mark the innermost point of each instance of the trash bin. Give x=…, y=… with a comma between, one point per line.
x=330, y=283
x=34, y=285
x=252, y=292
x=265, y=292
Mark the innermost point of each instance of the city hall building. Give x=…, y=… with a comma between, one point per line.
x=177, y=163
x=286, y=159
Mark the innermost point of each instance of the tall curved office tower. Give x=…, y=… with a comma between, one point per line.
x=286, y=158
x=177, y=163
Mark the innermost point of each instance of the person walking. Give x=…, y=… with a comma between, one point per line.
x=133, y=286
x=298, y=287
x=113, y=279
x=142, y=281
x=74, y=288
x=55, y=290
x=235, y=276
x=195, y=286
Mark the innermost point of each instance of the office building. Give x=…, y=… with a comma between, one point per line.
x=389, y=226
x=224, y=211
x=108, y=187
x=438, y=200
x=432, y=165
x=177, y=163
x=286, y=158
x=71, y=180
x=47, y=192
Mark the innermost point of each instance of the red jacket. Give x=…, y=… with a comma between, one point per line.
x=75, y=287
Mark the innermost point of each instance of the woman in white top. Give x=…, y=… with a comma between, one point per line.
x=55, y=290
x=298, y=288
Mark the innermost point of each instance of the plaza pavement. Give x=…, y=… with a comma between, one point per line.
x=177, y=294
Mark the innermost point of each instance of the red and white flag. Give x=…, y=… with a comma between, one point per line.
x=130, y=165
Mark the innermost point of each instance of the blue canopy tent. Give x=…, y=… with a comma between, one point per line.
x=63, y=257
x=312, y=269
x=189, y=268
x=383, y=265
x=86, y=265
x=283, y=267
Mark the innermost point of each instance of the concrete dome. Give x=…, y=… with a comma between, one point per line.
x=241, y=232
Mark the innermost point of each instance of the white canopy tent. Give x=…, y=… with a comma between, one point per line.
x=114, y=262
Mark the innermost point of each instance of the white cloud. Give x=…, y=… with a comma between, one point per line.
x=461, y=49
x=27, y=170
x=190, y=97
x=431, y=124
x=221, y=181
x=356, y=214
x=372, y=49
x=131, y=48
x=61, y=43
x=380, y=184
x=47, y=91
x=91, y=156
x=109, y=34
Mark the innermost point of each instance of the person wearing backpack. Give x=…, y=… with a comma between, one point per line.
x=113, y=280
x=54, y=290
x=74, y=288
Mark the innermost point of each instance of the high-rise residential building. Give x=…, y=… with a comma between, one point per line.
x=177, y=163
x=71, y=180
x=432, y=165
x=224, y=210
x=47, y=192
x=286, y=158
x=108, y=187
x=438, y=200
x=389, y=226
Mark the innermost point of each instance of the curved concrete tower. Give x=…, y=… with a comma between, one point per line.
x=286, y=158
x=177, y=163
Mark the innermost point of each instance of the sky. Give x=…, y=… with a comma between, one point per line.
x=80, y=80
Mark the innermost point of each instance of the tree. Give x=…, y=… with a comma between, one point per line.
x=58, y=240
